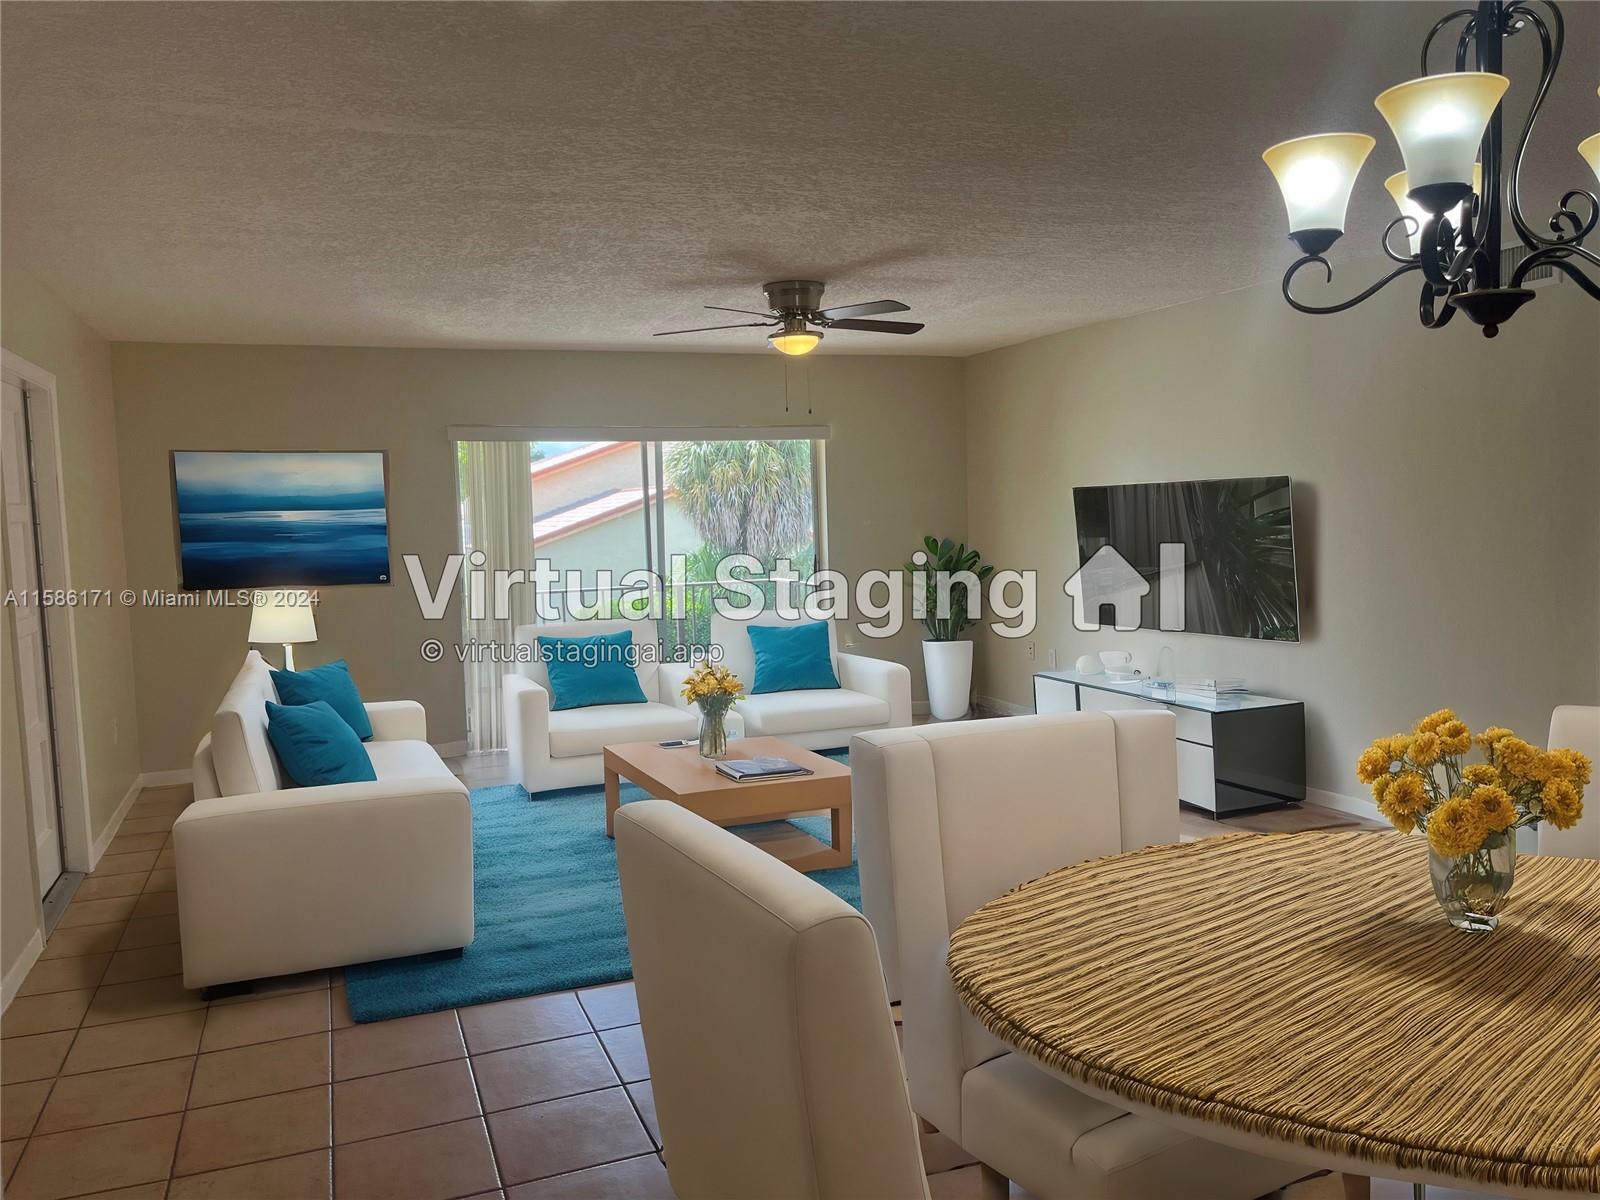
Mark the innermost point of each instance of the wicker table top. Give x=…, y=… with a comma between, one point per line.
x=1306, y=988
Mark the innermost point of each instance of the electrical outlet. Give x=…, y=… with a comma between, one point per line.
x=1030, y=652
x=1051, y=658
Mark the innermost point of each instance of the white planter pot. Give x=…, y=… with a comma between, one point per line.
x=949, y=668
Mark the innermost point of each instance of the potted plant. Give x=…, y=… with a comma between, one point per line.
x=1471, y=812
x=946, y=658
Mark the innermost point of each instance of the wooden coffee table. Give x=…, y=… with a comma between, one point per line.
x=685, y=778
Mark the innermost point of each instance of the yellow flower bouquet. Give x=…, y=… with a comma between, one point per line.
x=1471, y=812
x=714, y=690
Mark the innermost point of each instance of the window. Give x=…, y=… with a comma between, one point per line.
x=596, y=510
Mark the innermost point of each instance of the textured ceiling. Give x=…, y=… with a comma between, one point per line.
x=580, y=174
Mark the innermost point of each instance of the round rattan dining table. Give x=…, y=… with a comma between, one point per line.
x=1303, y=996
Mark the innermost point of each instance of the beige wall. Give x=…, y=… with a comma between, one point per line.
x=1447, y=500
x=38, y=326
x=894, y=471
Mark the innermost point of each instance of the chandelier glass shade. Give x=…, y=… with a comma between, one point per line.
x=1439, y=121
x=1460, y=185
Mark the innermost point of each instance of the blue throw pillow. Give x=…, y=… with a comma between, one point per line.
x=792, y=658
x=585, y=671
x=330, y=683
x=316, y=745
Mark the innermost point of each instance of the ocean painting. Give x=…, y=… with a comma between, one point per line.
x=271, y=519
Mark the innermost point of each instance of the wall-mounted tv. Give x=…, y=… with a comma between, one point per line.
x=1238, y=549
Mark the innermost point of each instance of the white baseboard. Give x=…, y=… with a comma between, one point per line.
x=152, y=779
x=19, y=969
x=1004, y=707
x=115, y=823
x=450, y=749
x=1356, y=806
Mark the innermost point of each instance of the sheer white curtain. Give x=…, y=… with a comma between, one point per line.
x=499, y=516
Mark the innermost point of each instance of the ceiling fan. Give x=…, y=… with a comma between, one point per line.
x=794, y=310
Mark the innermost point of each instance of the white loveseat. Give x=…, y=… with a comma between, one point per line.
x=562, y=748
x=274, y=879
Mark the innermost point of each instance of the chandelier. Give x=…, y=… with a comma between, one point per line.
x=1451, y=201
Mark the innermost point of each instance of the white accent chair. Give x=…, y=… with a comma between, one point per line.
x=949, y=817
x=1575, y=727
x=772, y=1052
x=561, y=748
x=873, y=693
x=275, y=879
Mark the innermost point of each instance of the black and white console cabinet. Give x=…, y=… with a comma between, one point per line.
x=1235, y=752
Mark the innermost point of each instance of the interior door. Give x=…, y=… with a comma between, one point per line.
x=33, y=678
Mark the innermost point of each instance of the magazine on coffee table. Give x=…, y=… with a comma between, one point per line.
x=764, y=767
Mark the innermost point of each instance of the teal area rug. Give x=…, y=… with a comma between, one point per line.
x=548, y=909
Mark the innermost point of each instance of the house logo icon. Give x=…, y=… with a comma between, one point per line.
x=1108, y=578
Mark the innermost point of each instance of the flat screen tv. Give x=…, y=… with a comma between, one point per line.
x=1238, y=549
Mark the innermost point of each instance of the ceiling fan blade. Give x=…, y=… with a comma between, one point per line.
x=709, y=328
x=870, y=309
x=749, y=312
x=878, y=326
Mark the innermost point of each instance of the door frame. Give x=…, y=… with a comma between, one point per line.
x=50, y=501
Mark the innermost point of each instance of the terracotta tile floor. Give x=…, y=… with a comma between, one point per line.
x=117, y=1081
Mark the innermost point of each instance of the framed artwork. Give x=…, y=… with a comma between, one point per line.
x=273, y=518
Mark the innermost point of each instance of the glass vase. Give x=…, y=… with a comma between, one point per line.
x=713, y=732
x=1472, y=889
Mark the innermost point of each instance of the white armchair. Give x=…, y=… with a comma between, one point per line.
x=1575, y=727
x=949, y=817
x=562, y=748
x=873, y=693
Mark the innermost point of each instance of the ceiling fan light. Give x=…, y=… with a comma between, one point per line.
x=1316, y=175
x=1438, y=121
x=795, y=342
x=1399, y=190
x=1589, y=150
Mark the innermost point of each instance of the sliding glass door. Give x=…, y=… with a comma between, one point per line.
x=606, y=516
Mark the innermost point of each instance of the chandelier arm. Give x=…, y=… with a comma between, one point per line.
x=1438, y=28
x=1580, y=228
x=1551, y=39
x=1412, y=227
x=1563, y=264
x=1430, y=312
x=1317, y=310
x=1573, y=274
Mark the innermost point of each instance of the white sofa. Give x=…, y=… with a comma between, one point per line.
x=552, y=749
x=275, y=879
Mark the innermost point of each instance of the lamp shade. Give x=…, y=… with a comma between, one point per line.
x=1315, y=175
x=1399, y=189
x=1589, y=148
x=1439, y=121
x=282, y=615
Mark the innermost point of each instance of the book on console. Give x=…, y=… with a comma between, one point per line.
x=764, y=767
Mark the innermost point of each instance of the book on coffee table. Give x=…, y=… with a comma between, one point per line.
x=764, y=767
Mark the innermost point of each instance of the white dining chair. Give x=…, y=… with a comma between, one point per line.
x=1575, y=727
x=772, y=1051
x=951, y=816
